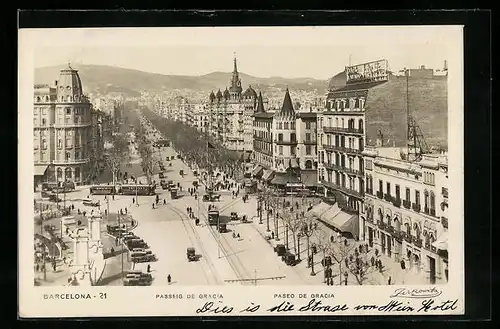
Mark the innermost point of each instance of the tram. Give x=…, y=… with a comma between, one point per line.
x=102, y=190
x=134, y=189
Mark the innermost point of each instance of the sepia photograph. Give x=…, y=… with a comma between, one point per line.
x=235, y=158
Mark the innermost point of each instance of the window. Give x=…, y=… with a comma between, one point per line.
x=68, y=155
x=67, y=173
x=286, y=126
x=398, y=196
x=342, y=123
x=280, y=137
x=368, y=164
x=292, y=150
x=426, y=199
x=308, y=149
x=342, y=141
x=280, y=125
x=292, y=137
x=388, y=188
x=342, y=160
x=351, y=163
x=308, y=125
x=59, y=144
x=408, y=197
x=41, y=156
x=308, y=137
x=77, y=155
x=433, y=201
x=280, y=150
x=44, y=144
x=77, y=174
x=68, y=111
x=336, y=140
x=44, y=122
x=292, y=125
x=417, y=197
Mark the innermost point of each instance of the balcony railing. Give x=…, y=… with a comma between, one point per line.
x=433, y=212
x=369, y=191
x=398, y=235
x=396, y=202
x=429, y=246
x=380, y=194
x=407, y=204
x=310, y=142
x=381, y=225
x=387, y=197
x=417, y=241
x=285, y=142
x=343, y=189
x=344, y=169
x=416, y=207
x=407, y=237
x=342, y=149
x=342, y=130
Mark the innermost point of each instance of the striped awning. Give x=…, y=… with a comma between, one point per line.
x=40, y=170
x=257, y=170
x=268, y=175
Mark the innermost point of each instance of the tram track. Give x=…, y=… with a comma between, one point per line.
x=229, y=253
x=210, y=264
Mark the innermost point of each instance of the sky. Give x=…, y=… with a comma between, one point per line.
x=315, y=52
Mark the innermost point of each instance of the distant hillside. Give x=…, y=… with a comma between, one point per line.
x=102, y=78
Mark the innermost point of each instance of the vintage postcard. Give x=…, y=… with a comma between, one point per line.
x=241, y=171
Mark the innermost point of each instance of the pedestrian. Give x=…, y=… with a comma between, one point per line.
x=164, y=201
x=149, y=268
x=80, y=222
x=169, y=279
x=389, y=280
x=73, y=207
x=153, y=205
x=133, y=200
x=116, y=241
x=272, y=235
x=112, y=251
x=113, y=197
x=238, y=235
x=126, y=211
x=37, y=267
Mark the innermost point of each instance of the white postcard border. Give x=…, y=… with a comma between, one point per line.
x=142, y=301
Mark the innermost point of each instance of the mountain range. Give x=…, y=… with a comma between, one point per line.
x=104, y=79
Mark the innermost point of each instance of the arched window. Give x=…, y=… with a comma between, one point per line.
x=433, y=201
x=397, y=224
x=416, y=228
x=308, y=164
x=38, y=98
x=342, y=122
x=67, y=173
x=380, y=216
x=360, y=124
x=426, y=199
x=44, y=144
x=77, y=174
x=408, y=229
x=59, y=173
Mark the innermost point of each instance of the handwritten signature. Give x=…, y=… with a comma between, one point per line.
x=416, y=293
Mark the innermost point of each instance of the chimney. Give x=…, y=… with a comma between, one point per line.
x=445, y=65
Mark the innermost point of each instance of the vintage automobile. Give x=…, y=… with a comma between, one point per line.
x=161, y=175
x=290, y=259
x=280, y=249
x=223, y=228
x=137, y=278
x=181, y=172
x=142, y=257
x=211, y=197
x=191, y=254
x=195, y=173
x=91, y=203
x=234, y=215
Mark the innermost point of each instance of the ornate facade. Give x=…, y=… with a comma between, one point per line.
x=231, y=113
x=62, y=130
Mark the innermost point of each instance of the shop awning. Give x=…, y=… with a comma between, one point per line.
x=268, y=175
x=309, y=177
x=318, y=210
x=40, y=170
x=442, y=242
x=257, y=170
x=341, y=220
x=283, y=179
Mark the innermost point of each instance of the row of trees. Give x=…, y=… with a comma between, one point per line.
x=352, y=260
x=192, y=144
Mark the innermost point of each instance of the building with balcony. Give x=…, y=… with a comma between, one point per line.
x=231, y=112
x=405, y=210
x=373, y=104
x=263, y=136
x=62, y=130
x=285, y=145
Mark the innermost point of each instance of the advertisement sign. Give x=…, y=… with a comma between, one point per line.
x=368, y=72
